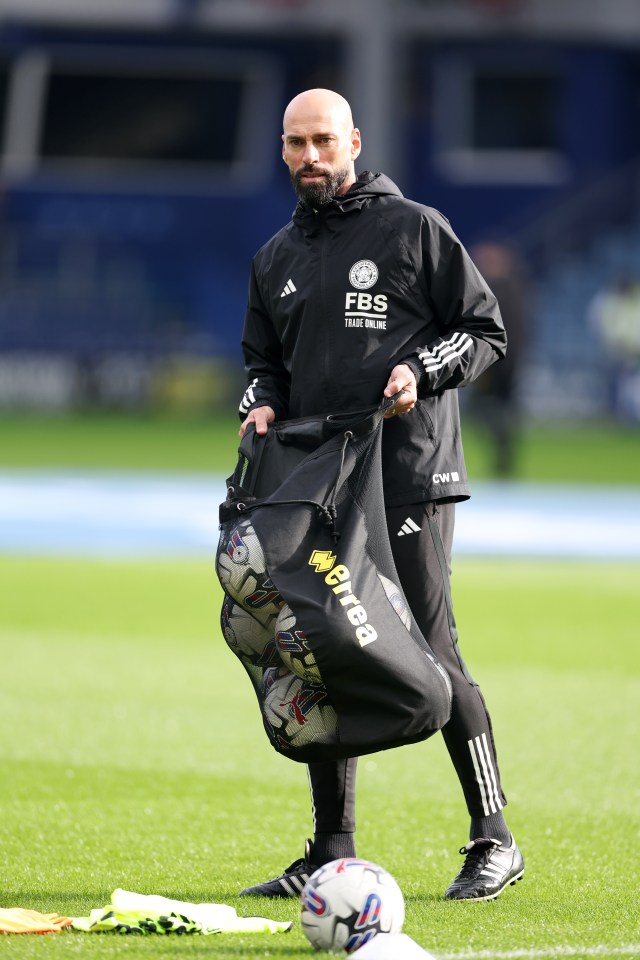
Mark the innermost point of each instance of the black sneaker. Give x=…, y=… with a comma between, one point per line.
x=488, y=868
x=291, y=882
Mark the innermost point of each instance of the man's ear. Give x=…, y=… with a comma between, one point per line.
x=356, y=143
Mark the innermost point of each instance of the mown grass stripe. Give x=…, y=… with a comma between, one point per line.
x=629, y=950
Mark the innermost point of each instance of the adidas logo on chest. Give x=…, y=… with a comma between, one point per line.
x=289, y=288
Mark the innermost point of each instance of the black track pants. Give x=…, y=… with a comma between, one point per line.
x=421, y=537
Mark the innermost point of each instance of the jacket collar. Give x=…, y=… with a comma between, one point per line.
x=359, y=194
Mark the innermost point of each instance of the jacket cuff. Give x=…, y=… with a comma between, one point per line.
x=415, y=366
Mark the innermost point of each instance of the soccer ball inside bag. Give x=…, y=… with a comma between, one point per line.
x=347, y=902
x=243, y=574
x=293, y=648
x=396, y=600
x=252, y=641
x=296, y=711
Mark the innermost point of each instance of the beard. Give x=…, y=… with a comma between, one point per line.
x=318, y=194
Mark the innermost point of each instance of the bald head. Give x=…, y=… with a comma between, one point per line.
x=320, y=106
x=320, y=145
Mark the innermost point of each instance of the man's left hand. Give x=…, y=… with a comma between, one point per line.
x=402, y=378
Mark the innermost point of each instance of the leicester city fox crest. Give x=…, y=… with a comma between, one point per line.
x=363, y=274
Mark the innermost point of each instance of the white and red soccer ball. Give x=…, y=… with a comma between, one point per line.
x=347, y=902
x=296, y=711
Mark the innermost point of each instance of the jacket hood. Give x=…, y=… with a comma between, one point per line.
x=371, y=184
x=367, y=185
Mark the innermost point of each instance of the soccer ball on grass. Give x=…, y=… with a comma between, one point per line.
x=347, y=902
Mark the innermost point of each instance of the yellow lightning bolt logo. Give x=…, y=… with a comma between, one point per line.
x=322, y=560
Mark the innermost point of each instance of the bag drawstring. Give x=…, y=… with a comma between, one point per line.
x=330, y=506
x=327, y=510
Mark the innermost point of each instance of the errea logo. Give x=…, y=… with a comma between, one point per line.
x=322, y=560
x=339, y=579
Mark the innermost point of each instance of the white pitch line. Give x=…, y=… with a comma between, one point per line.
x=630, y=950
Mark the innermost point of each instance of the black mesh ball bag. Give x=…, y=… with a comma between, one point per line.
x=313, y=606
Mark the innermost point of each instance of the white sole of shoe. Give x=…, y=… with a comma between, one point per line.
x=492, y=896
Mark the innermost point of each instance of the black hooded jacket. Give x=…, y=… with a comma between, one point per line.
x=341, y=295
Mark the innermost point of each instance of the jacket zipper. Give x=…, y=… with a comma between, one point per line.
x=426, y=419
x=325, y=320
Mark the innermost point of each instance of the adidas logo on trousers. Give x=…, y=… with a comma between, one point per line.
x=409, y=526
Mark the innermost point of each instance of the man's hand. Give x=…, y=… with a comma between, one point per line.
x=403, y=378
x=262, y=417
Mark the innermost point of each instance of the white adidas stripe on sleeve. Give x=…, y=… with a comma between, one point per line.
x=446, y=351
x=248, y=398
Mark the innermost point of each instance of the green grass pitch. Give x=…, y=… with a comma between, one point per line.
x=132, y=756
x=604, y=453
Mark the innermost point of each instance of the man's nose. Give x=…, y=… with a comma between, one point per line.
x=311, y=154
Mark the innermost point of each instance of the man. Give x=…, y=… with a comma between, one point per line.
x=365, y=293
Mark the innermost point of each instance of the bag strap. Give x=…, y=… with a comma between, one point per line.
x=243, y=502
